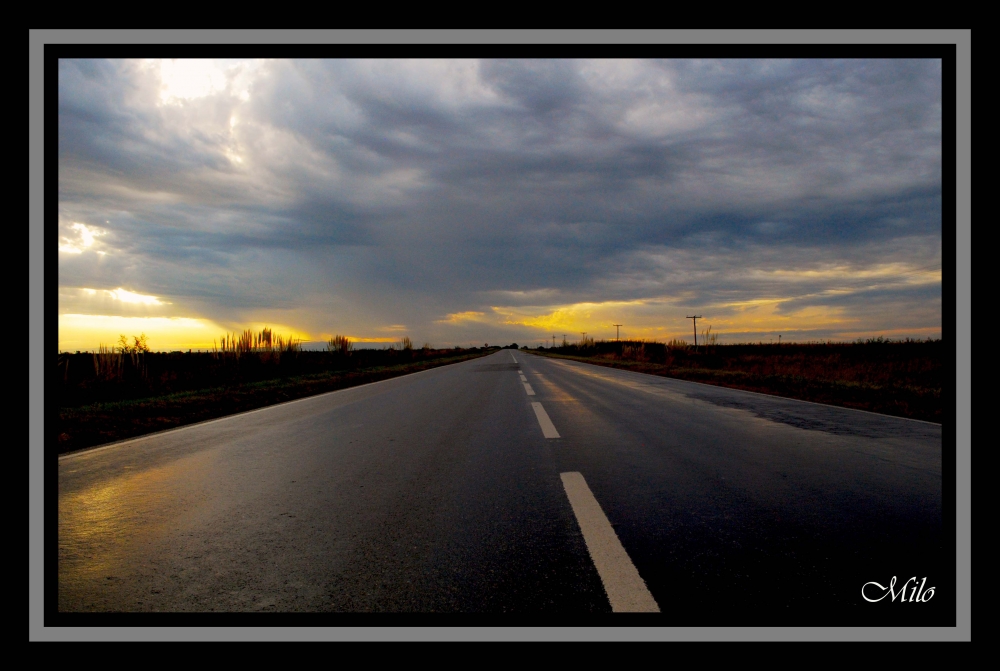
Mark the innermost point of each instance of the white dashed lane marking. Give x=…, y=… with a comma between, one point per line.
x=528, y=389
x=625, y=588
x=548, y=428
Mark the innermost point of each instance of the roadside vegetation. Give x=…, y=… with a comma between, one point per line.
x=893, y=377
x=124, y=391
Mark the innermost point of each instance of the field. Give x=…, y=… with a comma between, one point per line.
x=113, y=394
x=901, y=378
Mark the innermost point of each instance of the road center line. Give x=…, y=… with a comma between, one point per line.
x=528, y=389
x=548, y=428
x=523, y=379
x=625, y=588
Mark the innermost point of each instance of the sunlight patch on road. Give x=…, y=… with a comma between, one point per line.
x=654, y=386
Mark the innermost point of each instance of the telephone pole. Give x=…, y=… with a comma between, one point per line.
x=618, y=332
x=553, y=341
x=695, y=318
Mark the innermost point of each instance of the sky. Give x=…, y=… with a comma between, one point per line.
x=463, y=202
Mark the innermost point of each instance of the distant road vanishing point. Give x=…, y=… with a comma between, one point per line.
x=515, y=484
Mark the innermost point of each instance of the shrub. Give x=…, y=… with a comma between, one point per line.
x=340, y=345
x=265, y=346
x=635, y=352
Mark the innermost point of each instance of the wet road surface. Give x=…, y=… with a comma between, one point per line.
x=515, y=484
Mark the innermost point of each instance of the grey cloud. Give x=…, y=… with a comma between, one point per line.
x=540, y=86
x=524, y=177
x=921, y=302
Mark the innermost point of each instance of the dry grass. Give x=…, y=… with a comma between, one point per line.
x=108, y=363
x=265, y=346
x=635, y=352
x=339, y=344
x=904, y=378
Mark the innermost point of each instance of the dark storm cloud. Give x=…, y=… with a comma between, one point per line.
x=438, y=183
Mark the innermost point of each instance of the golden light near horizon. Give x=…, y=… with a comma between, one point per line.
x=663, y=319
x=84, y=333
x=573, y=316
x=918, y=332
x=460, y=317
x=764, y=315
x=94, y=317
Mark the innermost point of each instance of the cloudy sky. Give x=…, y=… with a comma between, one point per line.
x=460, y=202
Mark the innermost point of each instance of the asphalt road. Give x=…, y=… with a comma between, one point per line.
x=447, y=491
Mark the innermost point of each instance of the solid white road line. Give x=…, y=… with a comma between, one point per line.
x=512, y=357
x=625, y=588
x=524, y=379
x=548, y=428
x=527, y=388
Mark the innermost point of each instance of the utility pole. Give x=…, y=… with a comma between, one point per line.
x=618, y=332
x=695, y=318
x=553, y=341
